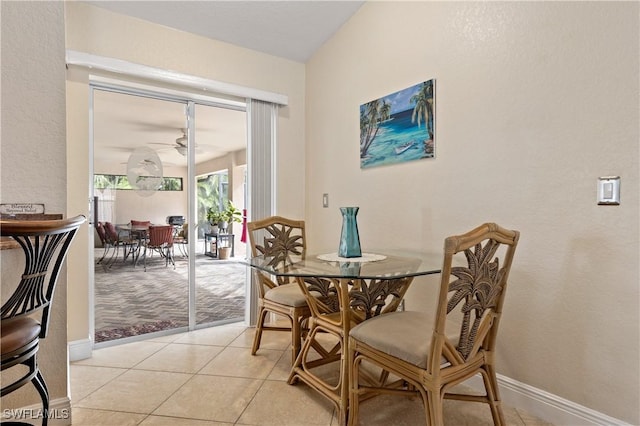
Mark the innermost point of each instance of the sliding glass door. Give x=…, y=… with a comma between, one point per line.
x=220, y=278
x=163, y=160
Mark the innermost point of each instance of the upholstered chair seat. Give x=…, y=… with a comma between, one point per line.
x=287, y=294
x=402, y=335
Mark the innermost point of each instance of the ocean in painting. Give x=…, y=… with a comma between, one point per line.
x=398, y=140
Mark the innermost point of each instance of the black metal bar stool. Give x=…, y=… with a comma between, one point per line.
x=45, y=244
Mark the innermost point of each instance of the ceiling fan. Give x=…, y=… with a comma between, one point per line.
x=182, y=143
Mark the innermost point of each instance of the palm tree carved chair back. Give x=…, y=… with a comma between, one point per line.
x=26, y=313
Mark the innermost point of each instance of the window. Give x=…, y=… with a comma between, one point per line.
x=122, y=183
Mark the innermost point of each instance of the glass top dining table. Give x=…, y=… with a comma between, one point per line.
x=342, y=292
x=375, y=264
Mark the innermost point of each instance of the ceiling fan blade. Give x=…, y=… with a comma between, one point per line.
x=150, y=125
x=210, y=148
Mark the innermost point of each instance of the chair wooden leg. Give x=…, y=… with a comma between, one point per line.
x=344, y=383
x=296, y=337
x=293, y=376
x=354, y=400
x=342, y=416
x=433, y=408
x=493, y=394
x=258, y=336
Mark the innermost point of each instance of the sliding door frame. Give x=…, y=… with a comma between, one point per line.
x=190, y=101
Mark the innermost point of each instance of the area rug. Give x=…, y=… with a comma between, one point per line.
x=129, y=301
x=108, y=334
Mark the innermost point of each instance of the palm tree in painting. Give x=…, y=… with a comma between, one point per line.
x=371, y=116
x=423, y=109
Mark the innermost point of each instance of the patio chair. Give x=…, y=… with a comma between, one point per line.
x=106, y=243
x=129, y=245
x=160, y=239
x=26, y=313
x=428, y=365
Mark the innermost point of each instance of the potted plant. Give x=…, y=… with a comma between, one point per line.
x=229, y=215
x=215, y=218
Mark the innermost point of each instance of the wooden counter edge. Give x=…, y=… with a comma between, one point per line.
x=10, y=243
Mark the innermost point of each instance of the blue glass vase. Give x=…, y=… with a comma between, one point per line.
x=349, y=238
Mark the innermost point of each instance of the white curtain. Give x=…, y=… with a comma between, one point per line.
x=261, y=158
x=261, y=170
x=106, y=204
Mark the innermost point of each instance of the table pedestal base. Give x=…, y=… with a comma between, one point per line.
x=336, y=306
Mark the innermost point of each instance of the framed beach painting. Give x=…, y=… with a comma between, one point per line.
x=398, y=127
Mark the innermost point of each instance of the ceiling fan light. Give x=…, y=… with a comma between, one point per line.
x=144, y=171
x=182, y=150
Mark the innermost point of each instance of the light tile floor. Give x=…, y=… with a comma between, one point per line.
x=208, y=377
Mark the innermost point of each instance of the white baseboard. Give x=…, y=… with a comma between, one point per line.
x=59, y=413
x=80, y=349
x=545, y=405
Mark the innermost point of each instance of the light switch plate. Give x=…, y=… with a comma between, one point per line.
x=609, y=190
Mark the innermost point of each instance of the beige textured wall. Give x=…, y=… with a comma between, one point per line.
x=96, y=31
x=78, y=201
x=33, y=158
x=535, y=101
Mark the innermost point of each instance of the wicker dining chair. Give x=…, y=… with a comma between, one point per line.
x=26, y=313
x=462, y=343
x=160, y=240
x=283, y=240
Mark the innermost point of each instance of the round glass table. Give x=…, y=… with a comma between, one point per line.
x=342, y=292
